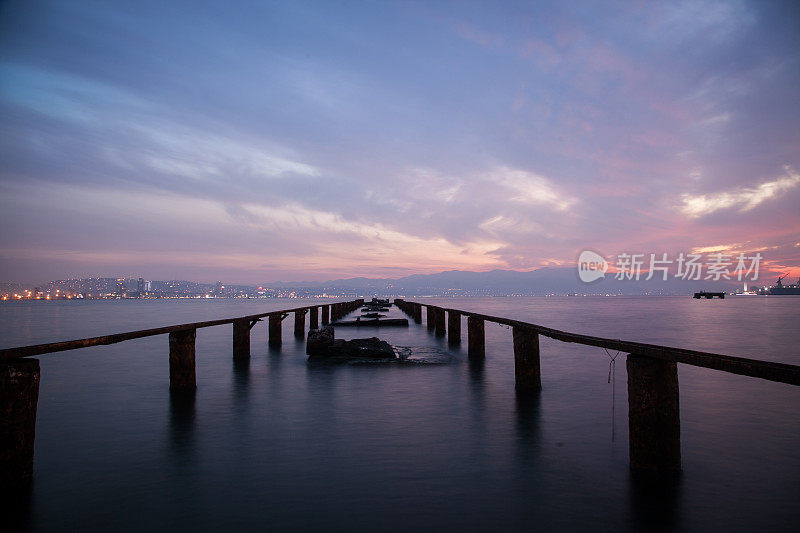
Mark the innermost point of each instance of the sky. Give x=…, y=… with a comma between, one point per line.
x=263, y=141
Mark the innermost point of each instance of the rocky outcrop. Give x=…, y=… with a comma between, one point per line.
x=319, y=341
x=322, y=346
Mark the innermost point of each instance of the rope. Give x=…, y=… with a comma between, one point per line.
x=612, y=378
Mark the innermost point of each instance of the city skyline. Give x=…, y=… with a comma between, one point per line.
x=316, y=141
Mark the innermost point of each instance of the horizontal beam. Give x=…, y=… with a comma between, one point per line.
x=779, y=372
x=8, y=354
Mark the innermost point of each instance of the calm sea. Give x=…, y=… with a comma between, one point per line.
x=278, y=444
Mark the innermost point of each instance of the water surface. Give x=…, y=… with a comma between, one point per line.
x=277, y=443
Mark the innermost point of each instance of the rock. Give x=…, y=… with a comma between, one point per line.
x=319, y=341
x=354, y=350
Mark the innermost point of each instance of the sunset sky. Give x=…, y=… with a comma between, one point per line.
x=264, y=141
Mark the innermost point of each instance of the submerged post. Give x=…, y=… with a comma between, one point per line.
x=181, y=360
x=19, y=395
x=418, y=313
x=476, y=338
x=326, y=314
x=429, y=319
x=654, y=421
x=241, y=339
x=527, y=372
x=313, y=317
x=453, y=328
x=300, y=324
x=439, y=319
x=275, y=337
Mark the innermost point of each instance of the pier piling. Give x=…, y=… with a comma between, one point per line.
x=326, y=314
x=300, y=324
x=476, y=338
x=653, y=415
x=181, y=360
x=241, y=339
x=19, y=396
x=439, y=321
x=527, y=371
x=453, y=328
x=417, y=313
x=429, y=317
x=275, y=333
x=313, y=317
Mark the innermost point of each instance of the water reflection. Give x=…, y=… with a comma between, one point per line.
x=17, y=505
x=528, y=425
x=655, y=501
x=241, y=381
x=182, y=426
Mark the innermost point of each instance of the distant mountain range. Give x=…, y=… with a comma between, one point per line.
x=541, y=281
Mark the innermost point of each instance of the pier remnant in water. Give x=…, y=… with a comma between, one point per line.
x=275, y=332
x=181, y=360
x=19, y=396
x=326, y=314
x=429, y=317
x=654, y=420
x=417, y=313
x=313, y=317
x=323, y=346
x=319, y=340
x=439, y=321
x=453, y=328
x=300, y=323
x=527, y=371
x=476, y=338
x=241, y=339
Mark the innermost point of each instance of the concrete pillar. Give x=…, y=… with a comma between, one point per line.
x=438, y=317
x=476, y=338
x=417, y=313
x=429, y=317
x=326, y=314
x=654, y=420
x=300, y=324
x=19, y=396
x=181, y=360
x=241, y=339
x=275, y=337
x=526, y=360
x=453, y=328
x=313, y=318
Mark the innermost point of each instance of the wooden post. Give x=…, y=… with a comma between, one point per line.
x=476, y=338
x=418, y=313
x=181, y=360
x=654, y=421
x=326, y=314
x=438, y=317
x=275, y=335
x=453, y=328
x=241, y=339
x=429, y=320
x=19, y=395
x=526, y=360
x=313, y=317
x=300, y=324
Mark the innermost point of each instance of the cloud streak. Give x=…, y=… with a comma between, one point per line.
x=743, y=199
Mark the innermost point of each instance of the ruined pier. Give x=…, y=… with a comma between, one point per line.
x=653, y=390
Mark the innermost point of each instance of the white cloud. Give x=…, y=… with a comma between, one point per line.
x=745, y=198
x=529, y=188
